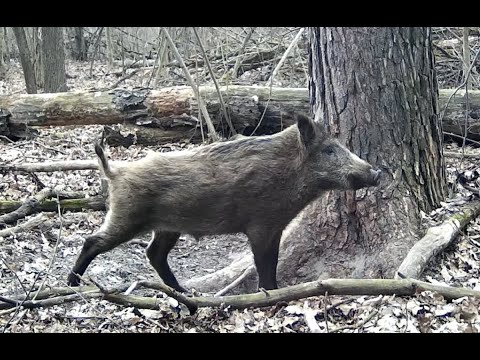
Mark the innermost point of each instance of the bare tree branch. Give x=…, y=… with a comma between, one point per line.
x=222, y=103
x=201, y=105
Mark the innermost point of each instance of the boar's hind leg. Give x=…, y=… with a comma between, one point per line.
x=107, y=238
x=157, y=253
x=265, y=253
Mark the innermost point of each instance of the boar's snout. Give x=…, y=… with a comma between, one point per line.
x=367, y=178
x=375, y=175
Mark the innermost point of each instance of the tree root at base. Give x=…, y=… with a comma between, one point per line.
x=435, y=240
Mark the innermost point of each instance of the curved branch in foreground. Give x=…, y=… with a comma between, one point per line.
x=435, y=240
x=405, y=287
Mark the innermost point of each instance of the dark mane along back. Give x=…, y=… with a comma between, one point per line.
x=286, y=140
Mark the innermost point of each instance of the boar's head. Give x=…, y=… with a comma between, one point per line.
x=330, y=164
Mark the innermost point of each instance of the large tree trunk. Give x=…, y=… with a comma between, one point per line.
x=25, y=59
x=53, y=59
x=375, y=88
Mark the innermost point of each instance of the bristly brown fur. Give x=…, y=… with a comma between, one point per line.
x=255, y=185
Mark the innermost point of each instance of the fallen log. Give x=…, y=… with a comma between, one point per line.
x=435, y=240
x=136, y=135
x=171, y=109
x=251, y=60
x=175, y=109
x=52, y=166
x=459, y=155
x=96, y=203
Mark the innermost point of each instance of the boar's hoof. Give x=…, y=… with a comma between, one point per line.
x=73, y=280
x=181, y=289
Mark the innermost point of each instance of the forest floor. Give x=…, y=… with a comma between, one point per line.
x=25, y=255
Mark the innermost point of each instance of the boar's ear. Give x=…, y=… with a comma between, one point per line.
x=307, y=130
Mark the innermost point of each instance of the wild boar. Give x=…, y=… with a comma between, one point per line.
x=254, y=185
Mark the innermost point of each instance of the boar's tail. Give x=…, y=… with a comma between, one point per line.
x=103, y=161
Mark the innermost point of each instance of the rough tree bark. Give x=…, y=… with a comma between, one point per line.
x=108, y=33
x=80, y=53
x=37, y=57
x=2, y=53
x=53, y=59
x=375, y=89
x=7, y=46
x=26, y=59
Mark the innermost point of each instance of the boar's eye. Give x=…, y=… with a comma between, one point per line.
x=329, y=150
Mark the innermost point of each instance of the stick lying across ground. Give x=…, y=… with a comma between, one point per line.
x=405, y=287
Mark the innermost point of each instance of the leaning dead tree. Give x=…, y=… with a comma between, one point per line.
x=26, y=59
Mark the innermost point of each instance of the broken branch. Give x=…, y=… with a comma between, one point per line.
x=435, y=240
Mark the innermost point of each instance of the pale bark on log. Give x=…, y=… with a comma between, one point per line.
x=96, y=203
x=168, y=109
x=435, y=240
x=175, y=109
x=68, y=165
x=459, y=155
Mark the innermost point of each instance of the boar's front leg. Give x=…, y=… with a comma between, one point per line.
x=107, y=238
x=157, y=253
x=265, y=243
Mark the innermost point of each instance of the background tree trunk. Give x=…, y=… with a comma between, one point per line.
x=53, y=58
x=108, y=33
x=7, y=45
x=375, y=89
x=25, y=59
x=80, y=46
x=2, y=54
x=37, y=56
